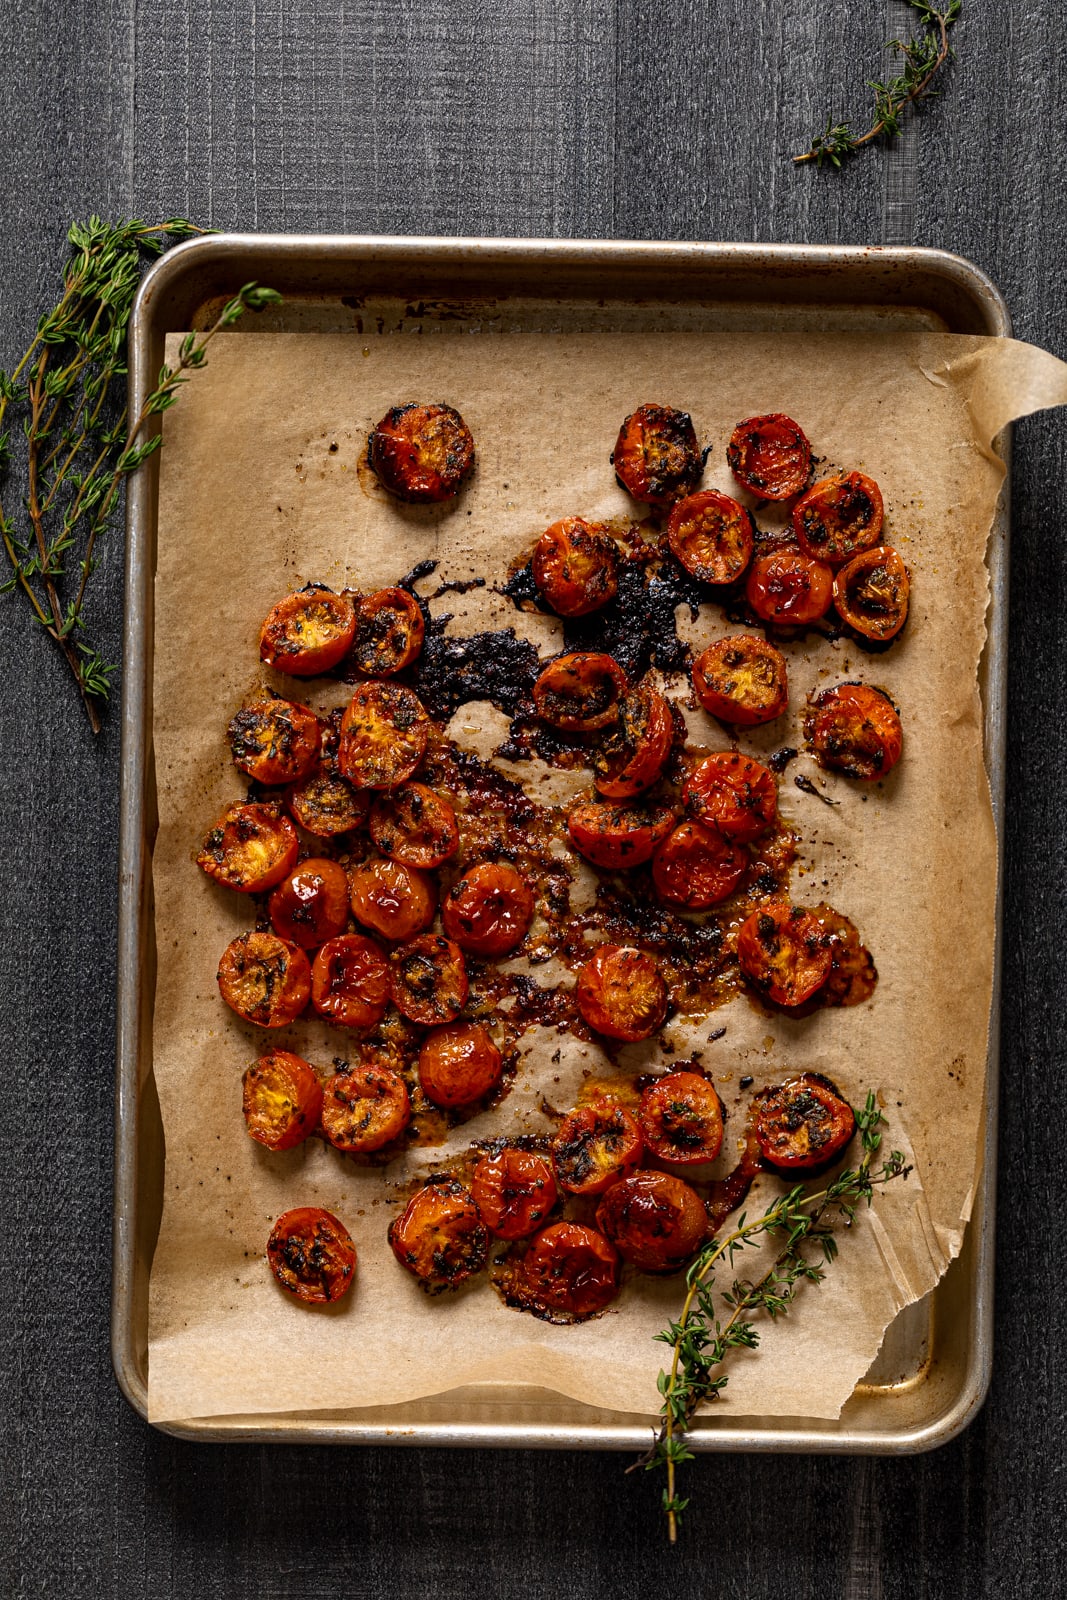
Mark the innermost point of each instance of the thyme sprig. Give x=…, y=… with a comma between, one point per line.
x=703, y=1335
x=921, y=59
x=80, y=444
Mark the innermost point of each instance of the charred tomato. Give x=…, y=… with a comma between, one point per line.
x=384, y=732
x=733, y=793
x=326, y=804
x=281, y=1100
x=266, y=980
x=789, y=588
x=575, y=567
x=392, y=899
x=871, y=593
x=428, y=980
x=656, y=455
x=350, y=982
x=784, y=952
x=308, y=632
x=804, y=1124
x=696, y=867
x=514, y=1191
x=390, y=632
x=275, y=741
x=617, y=837
x=654, y=1220
x=839, y=517
x=312, y=1255
x=855, y=729
x=458, y=1064
x=770, y=456
x=580, y=692
x=440, y=1237
x=488, y=911
x=570, y=1270
x=621, y=993
x=422, y=453
x=595, y=1146
x=742, y=680
x=311, y=905
x=681, y=1119
x=414, y=825
x=250, y=848
x=712, y=536
x=364, y=1108
x=636, y=750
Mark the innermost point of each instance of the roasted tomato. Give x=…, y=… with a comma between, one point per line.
x=622, y=993
x=581, y=692
x=656, y=455
x=636, y=751
x=789, y=588
x=429, y=980
x=696, y=867
x=711, y=535
x=733, y=793
x=312, y=1255
x=871, y=593
x=784, y=952
x=440, y=1238
x=422, y=453
x=311, y=906
x=839, y=517
x=458, y=1064
x=264, y=979
x=855, y=729
x=309, y=632
x=742, y=680
x=250, y=848
x=391, y=631
x=282, y=1100
x=275, y=741
x=365, y=1108
x=770, y=456
x=392, y=899
x=571, y=1270
x=616, y=837
x=414, y=825
x=681, y=1119
x=488, y=911
x=575, y=567
x=326, y=804
x=350, y=982
x=654, y=1220
x=803, y=1125
x=595, y=1146
x=383, y=736
x=514, y=1191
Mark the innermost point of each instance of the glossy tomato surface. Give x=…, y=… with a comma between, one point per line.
x=514, y=1190
x=656, y=455
x=308, y=633
x=390, y=631
x=789, y=588
x=422, y=453
x=712, y=536
x=393, y=900
x=275, y=741
x=384, y=732
x=596, y=1145
x=733, y=793
x=681, y=1119
x=459, y=1064
x=488, y=911
x=570, y=1269
x=250, y=848
x=311, y=904
x=742, y=680
x=580, y=692
x=440, y=1237
x=428, y=980
x=615, y=837
x=364, y=1108
x=621, y=993
x=654, y=1220
x=575, y=567
x=770, y=456
x=696, y=867
x=839, y=517
x=350, y=981
x=855, y=729
x=784, y=952
x=414, y=825
x=281, y=1100
x=264, y=979
x=871, y=593
x=636, y=750
x=804, y=1124
x=311, y=1254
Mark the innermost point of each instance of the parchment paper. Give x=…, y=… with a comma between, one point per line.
x=260, y=492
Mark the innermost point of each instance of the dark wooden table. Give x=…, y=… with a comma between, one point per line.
x=603, y=118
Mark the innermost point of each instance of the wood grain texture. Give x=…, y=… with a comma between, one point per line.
x=625, y=118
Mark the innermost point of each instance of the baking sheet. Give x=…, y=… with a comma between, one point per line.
x=253, y=501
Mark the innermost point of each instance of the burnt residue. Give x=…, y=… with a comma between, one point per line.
x=521, y=589
x=780, y=759
x=495, y=665
x=805, y=785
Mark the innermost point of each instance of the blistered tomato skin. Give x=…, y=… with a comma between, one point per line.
x=264, y=979
x=656, y=456
x=637, y=749
x=275, y=741
x=514, y=1190
x=871, y=593
x=364, y=1108
x=654, y=1220
x=570, y=1270
x=742, y=680
x=281, y=1100
x=697, y=867
x=711, y=535
x=414, y=825
x=251, y=848
x=575, y=567
x=350, y=982
x=580, y=692
x=855, y=729
x=312, y=1255
x=393, y=900
x=428, y=980
x=595, y=1146
x=440, y=1237
x=681, y=1119
x=311, y=905
x=789, y=588
x=804, y=1124
x=422, y=453
x=390, y=632
x=308, y=633
x=784, y=952
x=770, y=456
x=621, y=993
x=488, y=911
x=615, y=837
x=458, y=1064
x=733, y=793
x=839, y=517
x=384, y=733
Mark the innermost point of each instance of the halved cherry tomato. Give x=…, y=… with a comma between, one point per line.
x=383, y=736
x=855, y=729
x=311, y=906
x=350, y=982
x=596, y=1145
x=656, y=455
x=871, y=593
x=391, y=631
x=789, y=588
x=635, y=752
x=414, y=825
x=428, y=980
x=326, y=804
x=275, y=741
x=250, y=848
x=574, y=566
x=784, y=953
x=696, y=867
x=616, y=837
x=365, y=1108
x=422, y=453
x=742, y=680
x=488, y=911
x=440, y=1238
x=804, y=1124
x=681, y=1119
x=394, y=900
x=281, y=1100
x=733, y=793
x=266, y=980
x=581, y=692
x=309, y=632
x=514, y=1191
x=770, y=456
x=838, y=517
x=711, y=535
x=458, y=1064
x=570, y=1269
x=621, y=993
x=312, y=1255
x=654, y=1220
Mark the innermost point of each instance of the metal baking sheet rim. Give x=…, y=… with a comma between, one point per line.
x=770, y=275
